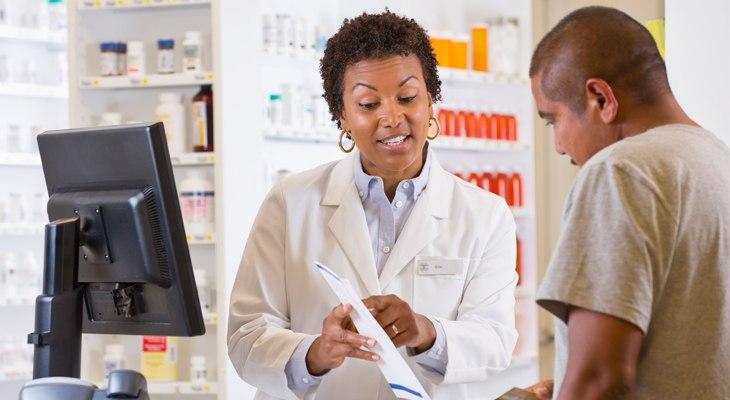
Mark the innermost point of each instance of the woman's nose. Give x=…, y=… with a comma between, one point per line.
x=392, y=116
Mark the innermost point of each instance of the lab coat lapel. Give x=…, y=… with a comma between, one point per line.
x=422, y=226
x=349, y=226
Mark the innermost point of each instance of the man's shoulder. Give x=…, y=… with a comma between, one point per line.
x=662, y=144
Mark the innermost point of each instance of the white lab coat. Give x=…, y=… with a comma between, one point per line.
x=278, y=298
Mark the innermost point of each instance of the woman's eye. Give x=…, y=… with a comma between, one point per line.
x=368, y=106
x=407, y=100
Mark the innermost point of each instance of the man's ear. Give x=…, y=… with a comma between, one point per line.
x=601, y=98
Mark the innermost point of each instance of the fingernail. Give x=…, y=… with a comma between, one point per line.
x=371, y=342
x=375, y=358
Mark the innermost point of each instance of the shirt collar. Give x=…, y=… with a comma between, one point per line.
x=366, y=183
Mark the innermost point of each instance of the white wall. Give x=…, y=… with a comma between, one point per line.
x=698, y=60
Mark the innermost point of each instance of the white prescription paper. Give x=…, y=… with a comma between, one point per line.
x=401, y=379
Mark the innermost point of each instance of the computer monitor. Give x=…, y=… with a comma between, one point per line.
x=116, y=248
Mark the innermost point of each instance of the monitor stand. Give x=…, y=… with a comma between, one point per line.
x=58, y=323
x=58, y=310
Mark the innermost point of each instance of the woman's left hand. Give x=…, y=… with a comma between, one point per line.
x=401, y=324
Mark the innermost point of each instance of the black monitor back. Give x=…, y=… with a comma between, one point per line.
x=134, y=263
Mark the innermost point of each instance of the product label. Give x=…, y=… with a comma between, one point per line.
x=166, y=120
x=191, y=58
x=154, y=344
x=159, y=358
x=108, y=64
x=166, y=62
x=197, y=207
x=200, y=122
x=135, y=65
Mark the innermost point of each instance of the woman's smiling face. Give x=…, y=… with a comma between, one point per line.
x=386, y=109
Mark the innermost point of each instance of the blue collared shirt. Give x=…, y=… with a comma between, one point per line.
x=385, y=221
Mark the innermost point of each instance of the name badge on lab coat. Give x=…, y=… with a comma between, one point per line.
x=429, y=265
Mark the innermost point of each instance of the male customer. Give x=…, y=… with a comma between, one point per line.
x=640, y=279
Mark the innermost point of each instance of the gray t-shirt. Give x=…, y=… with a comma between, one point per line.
x=646, y=238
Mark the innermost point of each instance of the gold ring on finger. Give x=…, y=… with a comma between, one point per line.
x=395, y=329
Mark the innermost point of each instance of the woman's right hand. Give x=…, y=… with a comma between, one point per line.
x=336, y=343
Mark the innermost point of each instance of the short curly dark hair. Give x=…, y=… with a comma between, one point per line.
x=374, y=36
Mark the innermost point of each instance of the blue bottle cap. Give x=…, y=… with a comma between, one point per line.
x=106, y=46
x=164, y=44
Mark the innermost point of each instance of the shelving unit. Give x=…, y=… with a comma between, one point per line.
x=32, y=35
x=33, y=97
x=125, y=5
x=145, y=81
x=135, y=98
x=25, y=229
x=33, y=91
x=444, y=143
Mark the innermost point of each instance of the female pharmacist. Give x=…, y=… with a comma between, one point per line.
x=432, y=256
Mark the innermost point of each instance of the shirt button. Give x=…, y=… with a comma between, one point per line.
x=406, y=184
x=305, y=380
x=362, y=194
x=386, y=249
x=398, y=204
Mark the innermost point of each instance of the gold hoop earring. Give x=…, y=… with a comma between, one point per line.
x=344, y=133
x=431, y=122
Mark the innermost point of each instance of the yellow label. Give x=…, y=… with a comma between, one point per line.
x=656, y=28
x=159, y=358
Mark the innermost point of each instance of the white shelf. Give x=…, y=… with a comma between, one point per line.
x=8, y=229
x=468, y=76
x=322, y=137
x=100, y=5
x=520, y=212
x=40, y=36
x=205, y=240
x=441, y=143
x=210, y=319
x=275, y=56
x=464, y=144
x=192, y=159
x=181, y=387
x=4, y=305
x=146, y=81
x=34, y=160
x=33, y=90
x=20, y=160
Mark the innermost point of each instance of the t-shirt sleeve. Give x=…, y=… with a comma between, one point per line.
x=614, y=247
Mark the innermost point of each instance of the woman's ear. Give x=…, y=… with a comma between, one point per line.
x=343, y=121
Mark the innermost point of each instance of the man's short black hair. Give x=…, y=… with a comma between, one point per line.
x=604, y=43
x=373, y=37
